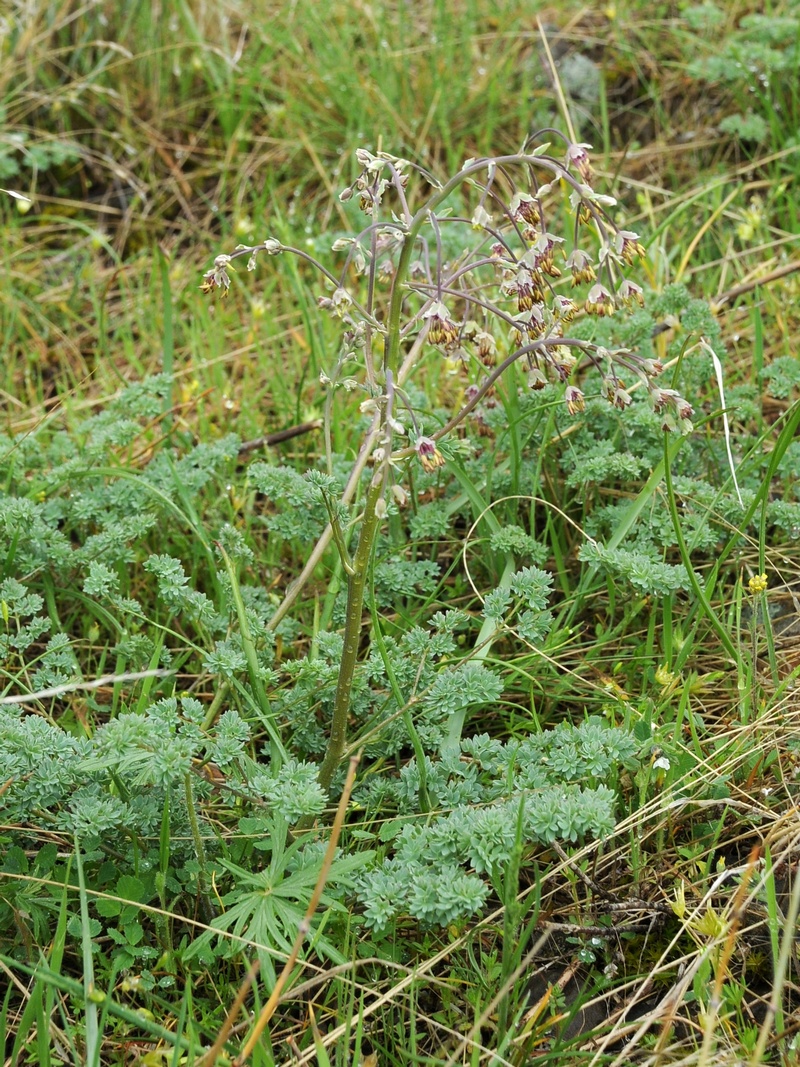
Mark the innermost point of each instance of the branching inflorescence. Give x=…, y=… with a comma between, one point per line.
x=489, y=287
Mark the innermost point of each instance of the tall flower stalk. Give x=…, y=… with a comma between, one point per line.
x=508, y=296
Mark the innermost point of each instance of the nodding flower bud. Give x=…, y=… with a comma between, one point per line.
x=652, y=367
x=339, y=302
x=429, y=455
x=481, y=218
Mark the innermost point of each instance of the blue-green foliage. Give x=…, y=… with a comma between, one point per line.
x=761, y=46
x=523, y=604
x=512, y=538
x=67, y=512
x=646, y=574
x=782, y=376
x=561, y=777
x=293, y=792
x=296, y=506
x=422, y=671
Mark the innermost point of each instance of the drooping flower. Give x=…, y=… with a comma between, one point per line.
x=617, y=394
x=526, y=286
x=486, y=346
x=429, y=455
x=565, y=308
x=442, y=331
x=599, y=301
x=580, y=263
x=629, y=293
x=541, y=251
x=576, y=402
x=218, y=277
x=627, y=246
x=578, y=157
x=525, y=208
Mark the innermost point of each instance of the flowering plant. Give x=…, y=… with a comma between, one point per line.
x=507, y=295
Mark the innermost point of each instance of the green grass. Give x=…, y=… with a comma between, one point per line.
x=150, y=145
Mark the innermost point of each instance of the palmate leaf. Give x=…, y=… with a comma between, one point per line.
x=265, y=909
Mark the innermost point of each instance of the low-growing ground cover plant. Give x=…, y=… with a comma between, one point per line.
x=545, y=620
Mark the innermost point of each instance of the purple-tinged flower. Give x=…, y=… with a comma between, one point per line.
x=629, y=293
x=576, y=401
x=429, y=455
x=442, y=331
x=671, y=400
x=525, y=208
x=627, y=246
x=580, y=263
x=617, y=394
x=530, y=323
x=486, y=346
x=578, y=157
x=599, y=301
x=526, y=286
x=652, y=367
x=541, y=254
x=536, y=378
x=565, y=308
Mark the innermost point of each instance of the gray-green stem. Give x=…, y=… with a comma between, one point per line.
x=356, y=585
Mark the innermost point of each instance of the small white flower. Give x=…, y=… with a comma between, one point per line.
x=661, y=764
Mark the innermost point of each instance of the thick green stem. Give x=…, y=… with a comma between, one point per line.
x=356, y=585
